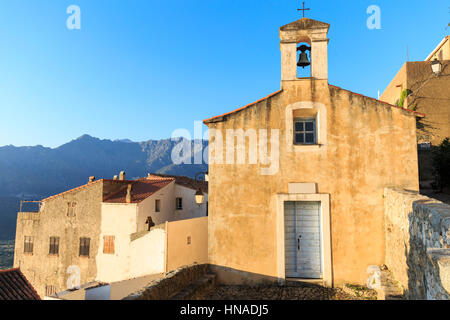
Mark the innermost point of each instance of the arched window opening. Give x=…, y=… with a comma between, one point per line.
x=304, y=61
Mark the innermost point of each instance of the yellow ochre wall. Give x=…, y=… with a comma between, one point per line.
x=179, y=251
x=369, y=146
x=429, y=94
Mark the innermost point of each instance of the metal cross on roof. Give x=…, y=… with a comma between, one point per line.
x=304, y=9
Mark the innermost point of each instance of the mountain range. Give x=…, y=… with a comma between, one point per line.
x=33, y=173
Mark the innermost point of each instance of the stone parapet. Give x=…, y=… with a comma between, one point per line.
x=417, y=231
x=172, y=283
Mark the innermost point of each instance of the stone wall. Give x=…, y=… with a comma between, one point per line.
x=417, y=232
x=171, y=284
x=43, y=269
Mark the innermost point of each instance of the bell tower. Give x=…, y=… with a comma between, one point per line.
x=314, y=34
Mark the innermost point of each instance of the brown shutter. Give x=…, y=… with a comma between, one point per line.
x=108, y=244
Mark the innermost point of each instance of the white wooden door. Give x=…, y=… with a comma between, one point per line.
x=303, y=240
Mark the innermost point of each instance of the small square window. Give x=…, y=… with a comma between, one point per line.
x=157, y=205
x=305, y=131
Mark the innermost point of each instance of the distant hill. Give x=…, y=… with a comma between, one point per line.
x=9, y=206
x=36, y=172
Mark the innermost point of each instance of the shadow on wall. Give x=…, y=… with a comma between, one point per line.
x=428, y=258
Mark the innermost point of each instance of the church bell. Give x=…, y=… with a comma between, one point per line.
x=303, y=60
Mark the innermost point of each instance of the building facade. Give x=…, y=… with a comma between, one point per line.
x=417, y=87
x=296, y=179
x=63, y=240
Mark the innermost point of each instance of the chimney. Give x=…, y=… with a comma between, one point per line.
x=128, y=198
x=115, y=178
x=151, y=176
x=91, y=179
x=122, y=175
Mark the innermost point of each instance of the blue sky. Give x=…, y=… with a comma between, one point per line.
x=140, y=69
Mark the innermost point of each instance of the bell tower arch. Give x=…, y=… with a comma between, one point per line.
x=295, y=37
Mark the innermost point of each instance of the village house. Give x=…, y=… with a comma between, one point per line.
x=318, y=213
x=424, y=86
x=100, y=231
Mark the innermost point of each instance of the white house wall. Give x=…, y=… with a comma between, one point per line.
x=118, y=220
x=131, y=259
x=147, y=207
x=190, y=208
x=147, y=254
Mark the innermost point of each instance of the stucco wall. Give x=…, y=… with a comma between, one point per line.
x=168, y=212
x=118, y=220
x=179, y=251
x=141, y=257
x=42, y=269
x=144, y=253
x=369, y=145
x=418, y=243
x=131, y=259
x=147, y=254
x=190, y=208
x=393, y=91
x=147, y=207
x=442, y=51
x=428, y=94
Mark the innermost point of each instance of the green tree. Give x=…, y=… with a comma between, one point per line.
x=441, y=164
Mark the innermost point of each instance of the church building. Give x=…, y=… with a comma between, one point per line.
x=296, y=179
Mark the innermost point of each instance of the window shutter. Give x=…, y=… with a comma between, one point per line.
x=28, y=245
x=84, y=247
x=108, y=244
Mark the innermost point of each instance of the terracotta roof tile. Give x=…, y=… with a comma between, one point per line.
x=141, y=189
x=184, y=181
x=71, y=190
x=14, y=286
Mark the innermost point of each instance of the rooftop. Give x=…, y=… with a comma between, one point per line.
x=14, y=286
x=185, y=181
x=141, y=189
x=224, y=116
x=305, y=23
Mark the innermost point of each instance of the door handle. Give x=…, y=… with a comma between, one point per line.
x=298, y=243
